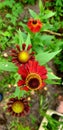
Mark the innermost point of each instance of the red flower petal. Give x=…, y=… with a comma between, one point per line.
x=21, y=82
x=15, y=60
x=36, y=29
x=34, y=25
x=14, y=51
x=23, y=46
x=22, y=71
x=24, y=88
x=29, y=47
x=41, y=70
x=44, y=76
x=32, y=65
x=14, y=54
x=18, y=47
x=22, y=100
x=43, y=85
x=32, y=53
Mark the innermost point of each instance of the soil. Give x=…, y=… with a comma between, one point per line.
x=50, y=92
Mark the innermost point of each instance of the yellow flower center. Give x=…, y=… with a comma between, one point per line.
x=18, y=107
x=23, y=56
x=33, y=81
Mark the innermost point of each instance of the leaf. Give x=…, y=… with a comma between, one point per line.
x=33, y=14
x=6, y=34
x=21, y=127
x=21, y=40
x=16, y=77
x=41, y=7
x=50, y=81
x=48, y=14
x=59, y=3
x=45, y=57
x=25, y=27
x=8, y=15
x=2, y=5
x=28, y=41
x=7, y=66
x=19, y=93
x=44, y=38
x=52, y=76
x=41, y=100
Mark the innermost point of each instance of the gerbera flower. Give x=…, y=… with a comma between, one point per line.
x=34, y=25
x=33, y=76
x=18, y=107
x=22, y=56
x=1, y=97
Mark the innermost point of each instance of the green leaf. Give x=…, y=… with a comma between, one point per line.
x=44, y=38
x=41, y=7
x=8, y=15
x=21, y=127
x=16, y=77
x=25, y=27
x=19, y=93
x=6, y=34
x=45, y=57
x=48, y=14
x=52, y=76
x=50, y=81
x=33, y=14
x=28, y=41
x=7, y=66
x=2, y=5
x=21, y=40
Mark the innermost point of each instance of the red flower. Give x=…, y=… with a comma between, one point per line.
x=18, y=107
x=34, y=25
x=22, y=56
x=33, y=76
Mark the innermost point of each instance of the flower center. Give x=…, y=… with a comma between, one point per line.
x=18, y=107
x=33, y=81
x=23, y=56
x=34, y=21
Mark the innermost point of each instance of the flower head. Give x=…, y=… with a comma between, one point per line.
x=18, y=107
x=34, y=25
x=22, y=56
x=33, y=76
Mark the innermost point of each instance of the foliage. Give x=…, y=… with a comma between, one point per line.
x=7, y=66
x=59, y=62
x=20, y=127
x=47, y=45
x=15, y=125
x=58, y=23
x=52, y=122
x=38, y=41
x=6, y=80
x=28, y=2
x=46, y=56
x=57, y=19
x=19, y=93
x=8, y=21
